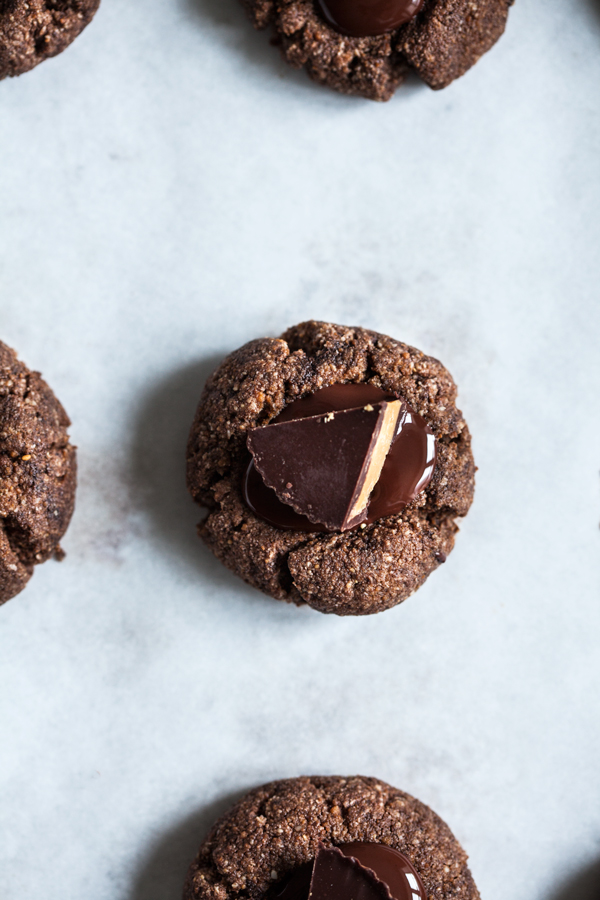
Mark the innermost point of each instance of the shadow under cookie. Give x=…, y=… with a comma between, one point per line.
x=584, y=886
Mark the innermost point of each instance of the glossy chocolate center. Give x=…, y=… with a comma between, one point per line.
x=390, y=866
x=407, y=470
x=365, y=18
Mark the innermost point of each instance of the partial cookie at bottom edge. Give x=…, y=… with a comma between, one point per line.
x=278, y=826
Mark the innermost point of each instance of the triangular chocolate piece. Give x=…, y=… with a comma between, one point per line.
x=339, y=877
x=326, y=466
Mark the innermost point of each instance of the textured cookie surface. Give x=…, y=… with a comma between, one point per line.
x=278, y=826
x=33, y=30
x=356, y=572
x=445, y=39
x=37, y=473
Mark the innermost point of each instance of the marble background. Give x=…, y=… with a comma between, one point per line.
x=168, y=190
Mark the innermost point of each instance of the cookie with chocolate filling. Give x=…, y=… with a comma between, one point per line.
x=333, y=462
x=330, y=838
x=366, y=48
x=37, y=473
x=33, y=30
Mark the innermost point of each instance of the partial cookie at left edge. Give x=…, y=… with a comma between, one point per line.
x=32, y=31
x=38, y=473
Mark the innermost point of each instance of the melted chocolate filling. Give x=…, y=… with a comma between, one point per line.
x=408, y=468
x=389, y=865
x=365, y=18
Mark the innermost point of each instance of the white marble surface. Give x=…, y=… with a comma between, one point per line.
x=168, y=190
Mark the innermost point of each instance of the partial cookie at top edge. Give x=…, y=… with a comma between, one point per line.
x=441, y=43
